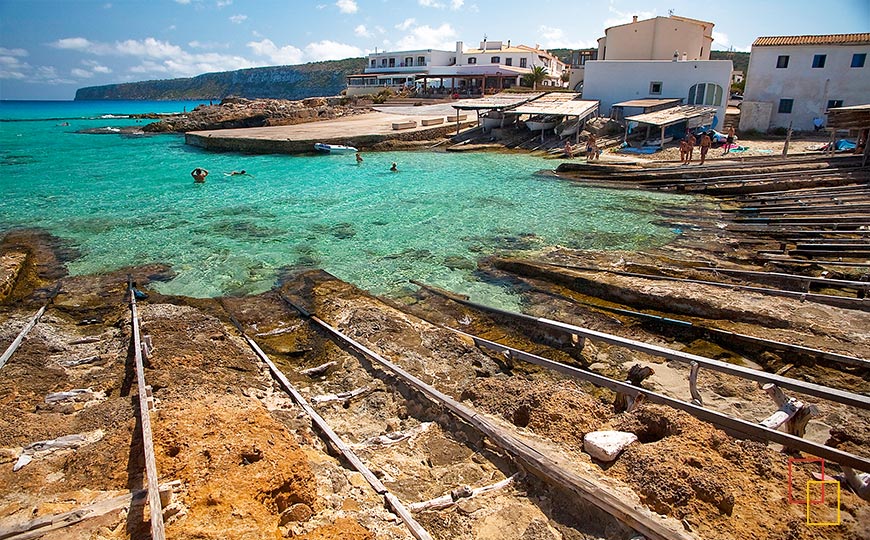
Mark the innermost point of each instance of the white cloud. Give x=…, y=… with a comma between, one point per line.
x=347, y=6
x=380, y=30
x=430, y=3
x=96, y=67
x=331, y=50
x=277, y=55
x=721, y=42
x=12, y=52
x=149, y=47
x=320, y=6
x=426, y=37
x=223, y=3
x=552, y=37
x=456, y=4
x=81, y=73
x=362, y=31
x=407, y=23
x=238, y=19
x=183, y=2
x=76, y=44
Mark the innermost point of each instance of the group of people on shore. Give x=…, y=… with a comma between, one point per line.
x=687, y=146
x=592, y=150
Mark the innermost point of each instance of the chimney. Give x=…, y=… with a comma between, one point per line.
x=509, y=44
x=634, y=18
x=676, y=55
x=685, y=56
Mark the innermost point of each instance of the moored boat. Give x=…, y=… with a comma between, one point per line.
x=540, y=123
x=334, y=148
x=497, y=119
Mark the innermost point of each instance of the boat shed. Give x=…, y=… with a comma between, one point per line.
x=692, y=115
x=856, y=117
x=560, y=104
x=498, y=101
x=618, y=111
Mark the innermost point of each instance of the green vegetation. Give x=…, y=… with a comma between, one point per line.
x=537, y=76
x=279, y=82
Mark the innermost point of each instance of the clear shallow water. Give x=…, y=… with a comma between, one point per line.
x=125, y=200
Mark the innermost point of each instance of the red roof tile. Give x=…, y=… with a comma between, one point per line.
x=830, y=39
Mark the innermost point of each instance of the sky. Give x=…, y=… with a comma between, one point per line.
x=50, y=48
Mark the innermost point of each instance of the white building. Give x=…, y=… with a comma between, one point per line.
x=793, y=80
x=659, y=38
x=492, y=66
x=699, y=82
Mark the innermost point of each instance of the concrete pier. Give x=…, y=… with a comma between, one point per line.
x=363, y=132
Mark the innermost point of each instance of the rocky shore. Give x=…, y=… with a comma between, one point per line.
x=247, y=113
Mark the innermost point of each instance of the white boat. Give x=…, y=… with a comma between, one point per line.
x=541, y=123
x=567, y=129
x=657, y=141
x=334, y=148
x=497, y=119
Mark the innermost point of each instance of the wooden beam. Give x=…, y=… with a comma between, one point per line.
x=832, y=394
x=640, y=519
x=743, y=427
x=17, y=341
x=154, y=505
x=415, y=528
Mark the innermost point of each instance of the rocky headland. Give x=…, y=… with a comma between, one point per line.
x=246, y=113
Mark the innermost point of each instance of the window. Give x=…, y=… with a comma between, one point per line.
x=472, y=60
x=819, y=60
x=782, y=62
x=495, y=60
x=392, y=62
x=835, y=103
x=421, y=60
x=508, y=61
x=409, y=61
x=383, y=62
x=705, y=94
x=522, y=62
x=785, y=106
x=655, y=88
x=374, y=62
x=858, y=59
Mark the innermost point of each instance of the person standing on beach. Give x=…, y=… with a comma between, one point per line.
x=684, y=152
x=706, y=141
x=591, y=148
x=199, y=175
x=729, y=140
x=690, y=145
x=569, y=152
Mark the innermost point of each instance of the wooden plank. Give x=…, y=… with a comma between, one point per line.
x=832, y=394
x=17, y=341
x=748, y=429
x=156, y=509
x=416, y=530
x=640, y=519
x=44, y=524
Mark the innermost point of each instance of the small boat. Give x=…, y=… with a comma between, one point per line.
x=334, y=148
x=497, y=119
x=540, y=123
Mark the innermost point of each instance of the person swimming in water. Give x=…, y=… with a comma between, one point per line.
x=359, y=159
x=199, y=175
x=243, y=172
x=394, y=167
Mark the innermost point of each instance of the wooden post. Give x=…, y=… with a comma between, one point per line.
x=787, y=140
x=693, y=384
x=17, y=341
x=662, y=138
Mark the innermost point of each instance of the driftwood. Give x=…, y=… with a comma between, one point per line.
x=74, y=395
x=693, y=384
x=342, y=396
x=44, y=524
x=462, y=492
x=40, y=449
x=394, y=437
x=793, y=413
x=318, y=370
x=636, y=375
x=17, y=341
x=80, y=361
x=84, y=340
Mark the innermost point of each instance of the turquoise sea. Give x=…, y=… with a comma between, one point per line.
x=126, y=200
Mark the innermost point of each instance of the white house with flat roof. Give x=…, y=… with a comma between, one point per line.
x=493, y=66
x=794, y=80
x=659, y=38
x=695, y=82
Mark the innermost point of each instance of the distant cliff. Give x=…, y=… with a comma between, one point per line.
x=279, y=82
